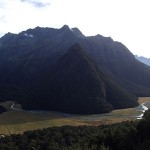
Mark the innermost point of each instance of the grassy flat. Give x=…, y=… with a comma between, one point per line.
x=143, y=99
x=18, y=121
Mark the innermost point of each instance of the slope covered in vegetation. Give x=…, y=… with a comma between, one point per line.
x=76, y=85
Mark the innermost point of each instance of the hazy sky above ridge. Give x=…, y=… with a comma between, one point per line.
x=126, y=21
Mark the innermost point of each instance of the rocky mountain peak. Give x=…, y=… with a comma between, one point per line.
x=77, y=32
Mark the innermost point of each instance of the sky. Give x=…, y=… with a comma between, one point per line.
x=126, y=21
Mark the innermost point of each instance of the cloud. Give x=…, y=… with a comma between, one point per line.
x=38, y=4
x=2, y=18
x=2, y=34
x=125, y=21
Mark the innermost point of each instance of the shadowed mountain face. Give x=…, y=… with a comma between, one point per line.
x=117, y=61
x=37, y=58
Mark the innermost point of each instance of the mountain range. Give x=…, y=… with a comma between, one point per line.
x=63, y=70
x=143, y=59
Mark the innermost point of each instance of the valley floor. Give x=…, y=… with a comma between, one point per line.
x=17, y=120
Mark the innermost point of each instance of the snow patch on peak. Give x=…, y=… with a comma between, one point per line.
x=28, y=35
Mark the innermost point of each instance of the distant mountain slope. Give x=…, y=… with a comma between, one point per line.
x=143, y=59
x=75, y=84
